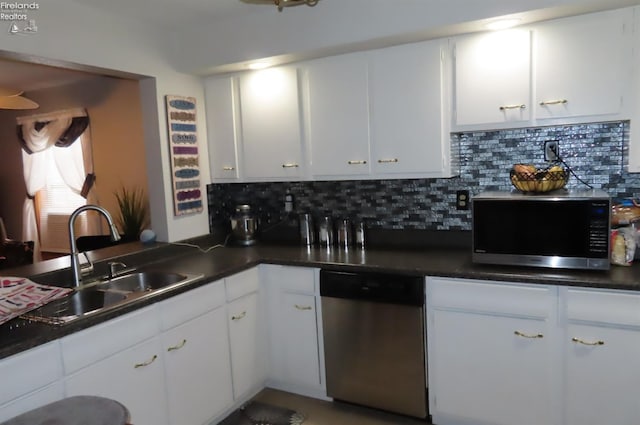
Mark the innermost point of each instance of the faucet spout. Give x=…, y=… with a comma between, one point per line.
x=76, y=269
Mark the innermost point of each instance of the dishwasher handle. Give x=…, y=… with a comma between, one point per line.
x=376, y=287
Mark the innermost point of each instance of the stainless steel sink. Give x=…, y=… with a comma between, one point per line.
x=109, y=294
x=144, y=281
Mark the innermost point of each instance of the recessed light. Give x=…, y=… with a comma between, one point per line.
x=501, y=24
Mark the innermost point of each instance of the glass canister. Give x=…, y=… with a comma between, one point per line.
x=325, y=231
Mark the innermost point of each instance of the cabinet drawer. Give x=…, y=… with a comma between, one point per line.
x=242, y=283
x=29, y=371
x=479, y=295
x=184, y=307
x=86, y=347
x=296, y=279
x=622, y=308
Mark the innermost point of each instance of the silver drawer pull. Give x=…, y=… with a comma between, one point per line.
x=147, y=363
x=505, y=107
x=554, y=102
x=228, y=168
x=303, y=307
x=290, y=165
x=532, y=336
x=177, y=347
x=387, y=161
x=357, y=162
x=583, y=342
x=239, y=316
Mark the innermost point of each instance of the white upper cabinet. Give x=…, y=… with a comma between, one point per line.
x=493, y=78
x=582, y=66
x=409, y=112
x=221, y=103
x=270, y=122
x=338, y=116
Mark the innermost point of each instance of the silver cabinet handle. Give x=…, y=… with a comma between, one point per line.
x=290, y=165
x=505, y=107
x=228, y=168
x=147, y=363
x=357, y=162
x=583, y=342
x=303, y=307
x=177, y=347
x=524, y=335
x=554, y=102
x=387, y=161
x=239, y=316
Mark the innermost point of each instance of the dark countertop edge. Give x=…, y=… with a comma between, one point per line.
x=220, y=263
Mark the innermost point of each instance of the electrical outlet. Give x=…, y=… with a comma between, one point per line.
x=462, y=200
x=551, y=150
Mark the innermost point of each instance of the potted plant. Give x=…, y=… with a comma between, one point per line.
x=133, y=214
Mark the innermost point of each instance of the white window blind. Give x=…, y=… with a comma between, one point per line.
x=55, y=203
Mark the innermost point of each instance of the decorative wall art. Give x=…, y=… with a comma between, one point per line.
x=183, y=145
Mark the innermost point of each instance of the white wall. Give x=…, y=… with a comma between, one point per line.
x=79, y=34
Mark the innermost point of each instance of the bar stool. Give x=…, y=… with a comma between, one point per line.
x=77, y=410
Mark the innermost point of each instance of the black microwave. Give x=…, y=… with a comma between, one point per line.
x=560, y=229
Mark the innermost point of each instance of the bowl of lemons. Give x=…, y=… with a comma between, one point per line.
x=529, y=178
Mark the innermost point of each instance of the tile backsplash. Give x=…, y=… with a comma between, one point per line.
x=596, y=152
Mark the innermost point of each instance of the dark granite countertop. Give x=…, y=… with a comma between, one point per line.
x=19, y=335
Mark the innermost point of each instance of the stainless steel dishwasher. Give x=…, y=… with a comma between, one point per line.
x=374, y=340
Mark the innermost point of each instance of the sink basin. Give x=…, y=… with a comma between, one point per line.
x=144, y=281
x=78, y=304
x=106, y=295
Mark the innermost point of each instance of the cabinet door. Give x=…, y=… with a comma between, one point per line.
x=35, y=399
x=134, y=377
x=198, y=369
x=493, y=78
x=295, y=350
x=602, y=357
x=271, y=136
x=338, y=115
x=490, y=353
x=582, y=65
x=407, y=113
x=221, y=102
x=247, y=353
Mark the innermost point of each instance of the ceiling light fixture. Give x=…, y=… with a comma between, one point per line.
x=284, y=3
x=17, y=101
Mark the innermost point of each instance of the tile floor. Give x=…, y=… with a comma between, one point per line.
x=319, y=412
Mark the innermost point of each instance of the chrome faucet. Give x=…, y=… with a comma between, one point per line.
x=76, y=269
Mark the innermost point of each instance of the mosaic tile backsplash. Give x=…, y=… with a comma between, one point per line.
x=596, y=152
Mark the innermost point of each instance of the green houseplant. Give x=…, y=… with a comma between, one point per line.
x=133, y=214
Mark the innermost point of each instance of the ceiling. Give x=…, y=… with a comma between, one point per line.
x=30, y=77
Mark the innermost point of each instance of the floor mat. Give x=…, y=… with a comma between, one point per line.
x=257, y=413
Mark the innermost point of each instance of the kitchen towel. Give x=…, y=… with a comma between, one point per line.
x=19, y=295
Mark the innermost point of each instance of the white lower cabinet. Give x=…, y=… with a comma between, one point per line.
x=247, y=333
x=134, y=377
x=490, y=352
x=120, y=359
x=296, y=351
x=601, y=346
x=196, y=355
x=36, y=379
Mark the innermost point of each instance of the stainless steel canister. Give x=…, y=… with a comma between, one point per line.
x=307, y=234
x=325, y=231
x=345, y=234
x=360, y=237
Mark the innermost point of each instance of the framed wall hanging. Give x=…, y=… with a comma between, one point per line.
x=184, y=154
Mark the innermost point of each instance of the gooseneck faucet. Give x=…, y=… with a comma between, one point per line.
x=75, y=262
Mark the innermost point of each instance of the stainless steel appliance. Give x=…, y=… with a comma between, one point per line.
x=374, y=340
x=244, y=226
x=562, y=229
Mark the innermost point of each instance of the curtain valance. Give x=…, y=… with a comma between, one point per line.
x=39, y=132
